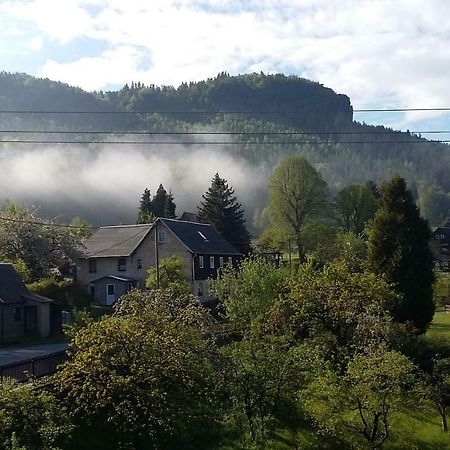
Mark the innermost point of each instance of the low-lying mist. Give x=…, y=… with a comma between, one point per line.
x=104, y=184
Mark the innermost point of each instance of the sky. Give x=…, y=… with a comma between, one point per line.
x=381, y=53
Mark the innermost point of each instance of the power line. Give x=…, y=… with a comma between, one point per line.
x=299, y=111
x=84, y=142
x=46, y=224
x=218, y=133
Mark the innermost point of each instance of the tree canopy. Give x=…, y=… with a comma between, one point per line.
x=222, y=210
x=296, y=193
x=398, y=250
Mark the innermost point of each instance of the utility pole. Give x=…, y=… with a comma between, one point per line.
x=156, y=258
x=290, y=255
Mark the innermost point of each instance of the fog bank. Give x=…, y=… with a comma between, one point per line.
x=104, y=185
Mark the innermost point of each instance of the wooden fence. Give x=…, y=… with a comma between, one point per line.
x=32, y=368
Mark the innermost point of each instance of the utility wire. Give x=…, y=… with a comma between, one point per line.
x=219, y=133
x=84, y=142
x=47, y=224
x=300, y=111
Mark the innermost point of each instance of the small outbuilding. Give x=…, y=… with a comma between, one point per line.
x=23, y=313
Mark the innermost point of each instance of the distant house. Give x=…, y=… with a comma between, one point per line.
x=116, y=258
x=23, y=313
x=441, y=246
x=190, y=217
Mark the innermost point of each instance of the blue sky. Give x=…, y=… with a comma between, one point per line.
x=382, y=53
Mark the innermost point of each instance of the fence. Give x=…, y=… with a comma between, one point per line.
x=33, y=368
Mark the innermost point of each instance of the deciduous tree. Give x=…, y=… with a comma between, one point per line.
x=296, y=192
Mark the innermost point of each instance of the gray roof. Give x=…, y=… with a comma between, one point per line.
x=13, y=289
x=115, y=277
x=199, y=238
x=115, y=241
x=11, y=285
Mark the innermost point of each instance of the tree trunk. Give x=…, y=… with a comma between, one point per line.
x=301, y=251
x=443, y=418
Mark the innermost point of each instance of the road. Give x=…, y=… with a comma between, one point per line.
x=13, y=354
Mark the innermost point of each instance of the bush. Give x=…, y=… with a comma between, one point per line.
x=66, y=293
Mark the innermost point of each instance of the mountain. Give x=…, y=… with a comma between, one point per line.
x=269, y=116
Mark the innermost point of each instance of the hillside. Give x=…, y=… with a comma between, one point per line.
x=268, y=116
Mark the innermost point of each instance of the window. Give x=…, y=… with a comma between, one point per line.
x=92, y=265
x=437, y=237
x=201, y=263
x=17, y=314
x=122, y=264
x=211, y=262
x=92, y=291
x=442, y=236
x=139, y=263
x=200, y=289
x=230, y=261
x=161, y=237
x=111, y=289
x=129, y=287
x=221, y=261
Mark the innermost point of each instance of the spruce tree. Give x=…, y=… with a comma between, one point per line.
x=221, y=209
x=145, y=214
x=162, y=204
x=398, y=250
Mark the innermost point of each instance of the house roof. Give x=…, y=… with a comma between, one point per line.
x=115, y=277
x=199, y=237
x=13, y=289
x=11, y=285
x=115, y=241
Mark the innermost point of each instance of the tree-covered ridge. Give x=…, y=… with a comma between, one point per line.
x=270, y=116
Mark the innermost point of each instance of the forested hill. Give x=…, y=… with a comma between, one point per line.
x=268, y=117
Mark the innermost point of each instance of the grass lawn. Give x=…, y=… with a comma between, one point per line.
x=440, y=327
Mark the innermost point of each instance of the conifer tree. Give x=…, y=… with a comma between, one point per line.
x=145, y=214
x=163, y=204
x=399, y=251
x=221, y=209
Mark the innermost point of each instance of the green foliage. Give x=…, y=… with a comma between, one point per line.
x=359, y=404
x=80, y=228
x=441, y=290
x=31, y=419
x=221, y=209
x=142, y=378
x=260, y=373
x=172, y=275
x=67, y=293
x=398, y=250
x=160, y=205
x=249, y=292
x=355, y=205
x=342, y=312
x=296, y=193
x=34, y=244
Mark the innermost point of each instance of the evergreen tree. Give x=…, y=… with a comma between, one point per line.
x=145, y=214
x=399, y=251
x=162, y=204
x=221, y=209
